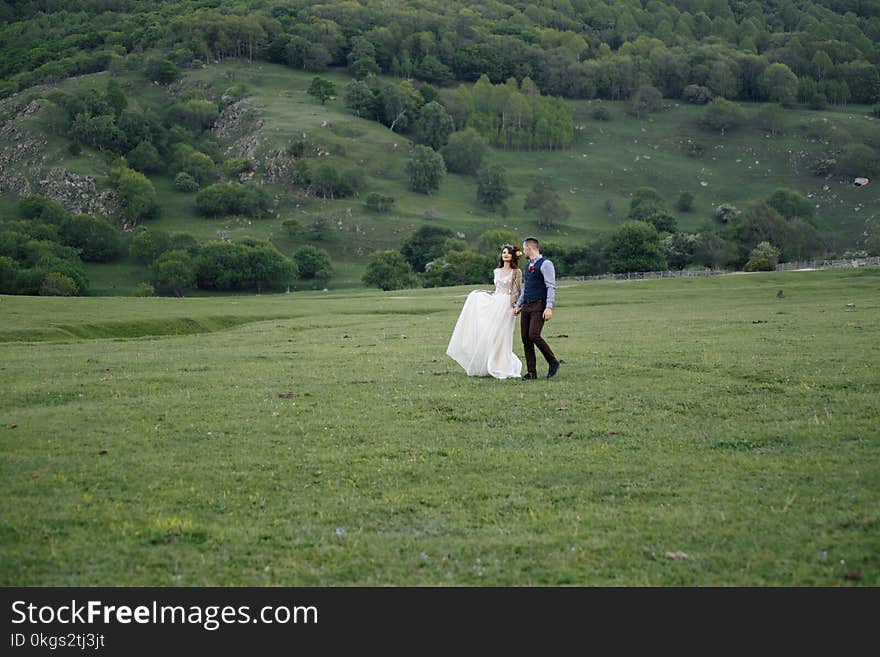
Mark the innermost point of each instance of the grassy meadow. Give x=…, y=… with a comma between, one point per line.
x=324, y=438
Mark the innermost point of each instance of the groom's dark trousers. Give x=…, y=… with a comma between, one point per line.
x=531, y=324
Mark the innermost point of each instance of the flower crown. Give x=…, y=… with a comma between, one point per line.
x=513, y=248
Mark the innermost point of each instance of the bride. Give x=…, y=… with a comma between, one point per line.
x=482, y=341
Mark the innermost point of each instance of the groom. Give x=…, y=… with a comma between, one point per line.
x=535, y=306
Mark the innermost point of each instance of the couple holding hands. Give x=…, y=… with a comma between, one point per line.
x=482, y=341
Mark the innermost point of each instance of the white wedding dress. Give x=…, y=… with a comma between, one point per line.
x=482, y=341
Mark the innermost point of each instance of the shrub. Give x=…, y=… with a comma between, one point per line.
x=144, y=290
x=764, y=257
x=378, y=202
x=458, y=268
x=696, y=94
x=685, y=202
x=183, y=182
x=313, y=264
x=601, y=113
x=389, y=270
x=58, y=285
x=95, y=238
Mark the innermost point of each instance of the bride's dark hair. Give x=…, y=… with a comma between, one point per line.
x=510, y=248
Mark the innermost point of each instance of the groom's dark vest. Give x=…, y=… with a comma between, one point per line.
x=536, y=289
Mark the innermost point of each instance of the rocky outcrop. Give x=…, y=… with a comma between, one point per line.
x=26, y=168
x=78, y=194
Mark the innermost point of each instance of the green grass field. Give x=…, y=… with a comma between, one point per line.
x=324, y=438
x=607, y=162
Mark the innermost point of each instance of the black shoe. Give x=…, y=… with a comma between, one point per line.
x=554, y=368
x=529, y=376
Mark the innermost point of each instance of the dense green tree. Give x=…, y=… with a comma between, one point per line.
x=194, y=114
x=635, y=247
x=425, y=245
x=313, y=264
x=645, y=100
x=791, y=203
x=458, y=268
x=435, y=125
x=144, y=158
x=492, y=188
x=722, y=115
x=162, y=71
x=425, y=170
x=174, y=271
x=95, y=238
x=764, y=257
x=389, y=270
x=139, y=198
x=148, y=244
x=58, y=285
x=465, y=151
x=490, y=242
x=321, y=89
x=781, y=83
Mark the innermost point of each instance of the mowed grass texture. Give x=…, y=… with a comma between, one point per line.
x=319, y=439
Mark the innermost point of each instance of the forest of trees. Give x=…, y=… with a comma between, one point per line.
x=821, y=49
x=457, y=78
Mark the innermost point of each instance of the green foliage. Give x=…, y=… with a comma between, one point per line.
x=197, y=164
x=764, y=257
x=239, y=266
x=94, y=237
x=222, y=199
x=647, y=205
x=771, y=119
x=174, y=271
x=760, y=222
x=389, y=270
x=791, y=203
x=601, y=113
x=465, y=151
x=313, y=264
x=635, y=246
x=458, y=268
x=148, y=244
x=490, y=242
x=781, y=83
x=435, y=125
x=423, y=246
x=321, y=89
x=685, y=202
x=645, y=100
x=544, y=199
x=725, y=213
x=184, y=182
x=722, y=115
x=97, y=131
x=327, y=182
x=58, y=285
x=680, y=249
x=696, y=94
x=292, y=227
x=144, y=290
x=162, y=71
x=138, y=195
x=492, y=189
x=144, y=158
x=235, y=166
x=378, y=202
x=858, y=160
x=195, y=114
x=425, y=170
